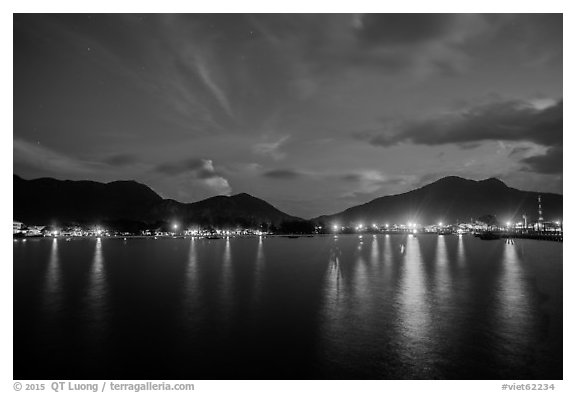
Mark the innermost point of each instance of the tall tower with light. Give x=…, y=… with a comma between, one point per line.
x=540, y=216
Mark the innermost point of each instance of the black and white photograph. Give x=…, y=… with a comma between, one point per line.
x=214, y=196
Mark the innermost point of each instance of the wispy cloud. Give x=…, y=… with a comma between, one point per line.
x=211, y=84
x=271, y=149
x=182, y=84
x=37, y=156
x=45, y=159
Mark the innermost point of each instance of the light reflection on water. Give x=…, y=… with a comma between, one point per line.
x=191, y=282
x=375, y=253
x=53, y=286
x=259, y=270
x=227, y=283
x=442, y=284
x=513, y=307
x=461, y=257
x=96, y=286
x=387, y=250
x=413, y=319
x=384, y=306
x=360, y=289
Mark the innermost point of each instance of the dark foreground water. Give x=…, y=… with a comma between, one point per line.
x=345, y=307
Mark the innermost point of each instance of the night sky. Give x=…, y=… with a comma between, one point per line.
x=313, y=113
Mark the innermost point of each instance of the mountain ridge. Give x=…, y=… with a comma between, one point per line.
x=450, y=199
x=45, y=200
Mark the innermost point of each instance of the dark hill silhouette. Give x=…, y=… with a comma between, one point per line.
x=41, y=201
x=451, y=199
x=236, y=210
x=45, y=201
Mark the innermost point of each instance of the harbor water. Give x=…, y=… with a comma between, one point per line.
x=324, y=307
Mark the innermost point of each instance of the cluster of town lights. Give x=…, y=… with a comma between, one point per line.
x=361, y=226
x=177, y=229
x=415, y=227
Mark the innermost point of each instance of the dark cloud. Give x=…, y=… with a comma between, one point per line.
x=397, y=43
x=470, y=145
x=400, y=29
x=283, y=174
x=539, y=36
x=547, y=163
x=509, y=120
x=351, y=177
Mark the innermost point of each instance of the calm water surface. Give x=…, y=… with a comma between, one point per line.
x=327, y=307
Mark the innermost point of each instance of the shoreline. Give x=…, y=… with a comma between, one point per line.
x=502, y=236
